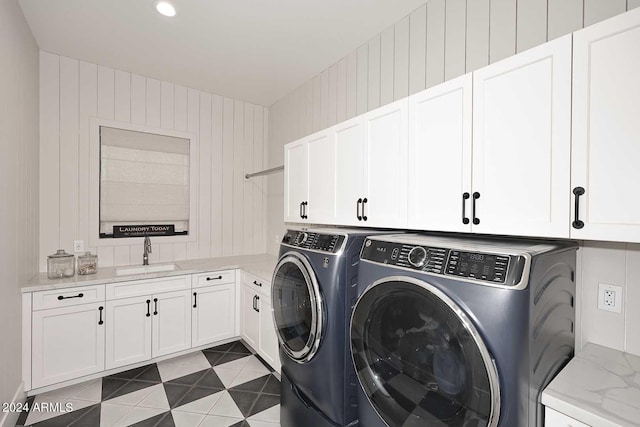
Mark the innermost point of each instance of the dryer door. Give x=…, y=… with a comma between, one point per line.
x=420, y=360
x=297, y=307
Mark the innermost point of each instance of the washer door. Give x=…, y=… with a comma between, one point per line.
x=297, y=307
x=419, y=359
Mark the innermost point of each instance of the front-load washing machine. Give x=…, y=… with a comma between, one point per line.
x=460, y=331
x=313, y=293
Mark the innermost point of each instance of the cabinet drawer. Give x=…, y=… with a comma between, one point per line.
x=68, y=297
x=256, y=284
x=147, y=287
x=221, y=277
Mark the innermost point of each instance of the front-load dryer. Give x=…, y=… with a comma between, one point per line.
x=313, y=293
x=460, y=332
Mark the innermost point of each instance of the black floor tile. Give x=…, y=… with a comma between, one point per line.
x=111, y=385
x=272, y=386
x=130, y=374
x=244, y=400
x=264, y=401
x=238, y=347
x=163, y=420
x=211, y=380
x=91, y=418
x=255, y=386
x=175, y=393
x=241, y=424
x=23, y=415
x=66, y=419
x=150, y=374
x=189, y=380
x=221, y=348
x=195, y=393
x=230, y=357
x=213, y=356
x=129, y=387
x=266, y=365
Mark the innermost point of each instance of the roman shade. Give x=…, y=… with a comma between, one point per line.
x=144, y=180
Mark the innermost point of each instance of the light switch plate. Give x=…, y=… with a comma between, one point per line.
x=610, y=298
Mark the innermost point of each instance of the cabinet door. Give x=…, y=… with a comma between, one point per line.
x=606, y=129
x=322, y=178
x=250, y=319
x=295, y=180
x=171, y=331
x=521, y=142
x=349, y=155
x=386, y=165
x=439, y=161
x=213, y=314
x=128, y=324
x=268, y=347
x=67, y=343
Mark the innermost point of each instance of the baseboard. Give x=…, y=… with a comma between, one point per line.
x=9, y=419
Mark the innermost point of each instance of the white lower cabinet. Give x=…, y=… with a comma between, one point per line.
x=128, y=331
x=213, y=314
x=67, y=343
x=141, y=328
x=556, y=419
x=257, y=327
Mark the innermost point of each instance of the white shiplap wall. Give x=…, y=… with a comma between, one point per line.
x=437, y=42
x=232, y=141
x=18, y=189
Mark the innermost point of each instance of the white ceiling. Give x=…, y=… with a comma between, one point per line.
x=252, y=50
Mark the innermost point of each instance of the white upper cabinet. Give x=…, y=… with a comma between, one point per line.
x=439, y=161
x=521, y=143
x=349, y=171
x=320, y=207
x=296, y=181
x=606, y=130
x=384, y=202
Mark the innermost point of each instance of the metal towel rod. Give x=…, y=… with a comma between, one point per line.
x=264, y=172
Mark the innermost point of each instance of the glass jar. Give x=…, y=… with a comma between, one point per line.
x=87, y=263
x=60, y=264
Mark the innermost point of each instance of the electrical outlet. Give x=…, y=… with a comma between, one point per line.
x=610, y=298
x=78, y=246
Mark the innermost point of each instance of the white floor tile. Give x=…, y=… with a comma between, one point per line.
x=186, y=419
x=200, y=406
x=110, y=414
x=84, y=391
x=226, y=375
x=216, y=421
x=255, y=423
x=236, y=364
x=255, y=365
x=226, y=407
x=46, y=407
x=245, y=376
x=156, y=399
x=134, y=398
x=271, y=415
x=138, y=414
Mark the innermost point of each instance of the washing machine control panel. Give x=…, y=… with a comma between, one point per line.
x=330, y=243
x=476, y=266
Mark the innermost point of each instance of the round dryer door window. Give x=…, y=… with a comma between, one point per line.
x=297, y=307
x=419, y=359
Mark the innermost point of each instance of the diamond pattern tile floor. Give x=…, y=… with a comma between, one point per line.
x=223, y=386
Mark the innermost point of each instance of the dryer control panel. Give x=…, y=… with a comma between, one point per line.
x=331, y=243
x=502, y=269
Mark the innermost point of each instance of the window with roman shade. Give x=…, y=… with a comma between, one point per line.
x=144, y=180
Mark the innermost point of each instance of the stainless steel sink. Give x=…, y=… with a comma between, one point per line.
x=145, y=269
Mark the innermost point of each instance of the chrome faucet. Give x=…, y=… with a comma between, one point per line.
x=147, y=250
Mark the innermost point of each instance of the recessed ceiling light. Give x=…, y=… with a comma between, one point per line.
x=165, y=8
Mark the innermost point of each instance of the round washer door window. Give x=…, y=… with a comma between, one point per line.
x=297, y=307
x=419, y=359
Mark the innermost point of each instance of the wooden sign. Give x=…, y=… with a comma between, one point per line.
x=143, y=230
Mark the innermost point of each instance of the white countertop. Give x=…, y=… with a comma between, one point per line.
x=261, y=266
x=599, y=387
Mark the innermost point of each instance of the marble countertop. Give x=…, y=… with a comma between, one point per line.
x=261, y=266
x=599, y=387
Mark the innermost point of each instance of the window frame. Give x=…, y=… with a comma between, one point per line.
x=94, y=183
